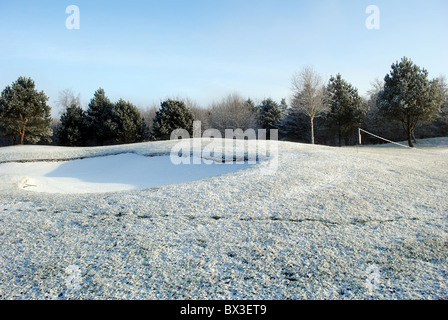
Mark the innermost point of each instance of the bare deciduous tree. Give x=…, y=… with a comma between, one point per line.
x=377, y=86
x=309, y=95
x=232, y=112
x=148, y=114
x=67, y=98
x=199, y=113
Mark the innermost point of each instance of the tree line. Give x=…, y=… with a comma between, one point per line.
x=329, y=113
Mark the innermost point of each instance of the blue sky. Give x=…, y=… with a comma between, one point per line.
x=147, y=51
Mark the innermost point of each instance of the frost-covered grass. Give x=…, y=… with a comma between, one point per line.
x=330, y=223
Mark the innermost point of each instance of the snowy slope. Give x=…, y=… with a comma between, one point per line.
x=330, y=223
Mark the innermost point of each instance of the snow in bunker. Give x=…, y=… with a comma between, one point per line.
x=111, y=173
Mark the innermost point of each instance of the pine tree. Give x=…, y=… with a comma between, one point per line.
x=347, y=108
x=270, y=114
x=295, y=125
x=129, y=122
x=283, y=107
x=72, y=127
x=409, y=96
x=172, y=115
x=99, y=120
x=24, y=113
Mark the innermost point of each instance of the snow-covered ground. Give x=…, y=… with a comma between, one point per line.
x=328, y=223
x=109, y=173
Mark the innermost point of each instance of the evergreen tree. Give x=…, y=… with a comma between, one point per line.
x=295, y=125
x=409, y=96
x=283, y=107
x=172, y=115
x=373, y=122
x=72, y=127
x=24, y=113
x=99, y=120
x=269, y=114
x=129, y=122
x=347, y=108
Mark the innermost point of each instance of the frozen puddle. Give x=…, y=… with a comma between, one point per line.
x=110, y=173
